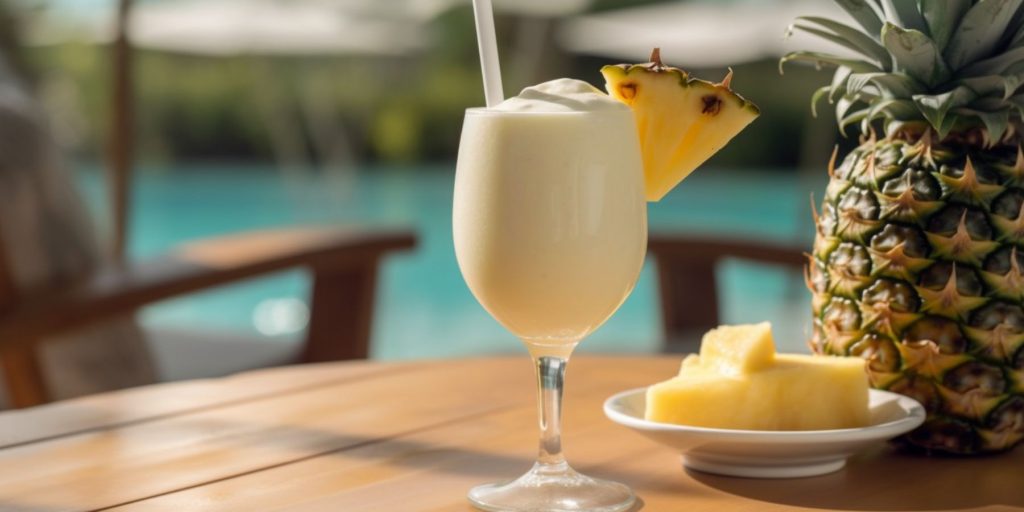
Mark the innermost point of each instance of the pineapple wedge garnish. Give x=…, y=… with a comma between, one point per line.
x=681, y=120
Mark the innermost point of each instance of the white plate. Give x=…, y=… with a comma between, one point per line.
x=768, y=453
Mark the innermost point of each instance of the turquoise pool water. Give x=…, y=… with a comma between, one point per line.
x=424, y=308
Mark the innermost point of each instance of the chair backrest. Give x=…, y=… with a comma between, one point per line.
x=687, y=283
x=46, y=242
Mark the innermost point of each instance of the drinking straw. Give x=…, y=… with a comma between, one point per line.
x=487, y=41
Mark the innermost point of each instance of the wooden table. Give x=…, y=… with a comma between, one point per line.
x=405, y=437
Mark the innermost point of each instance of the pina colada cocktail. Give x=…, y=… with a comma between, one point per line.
x=550, y=230
x=550, y=227
x=549, y=216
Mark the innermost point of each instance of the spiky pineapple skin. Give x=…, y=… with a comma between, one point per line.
x=899, y=219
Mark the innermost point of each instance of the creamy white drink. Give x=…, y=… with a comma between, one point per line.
x=549, y=217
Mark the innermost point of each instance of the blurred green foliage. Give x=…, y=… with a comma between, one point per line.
x=195, y=107
x=406, y=109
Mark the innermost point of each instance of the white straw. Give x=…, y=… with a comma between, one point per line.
x=488, y=44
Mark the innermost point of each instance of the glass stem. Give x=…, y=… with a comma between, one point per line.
x=550, y=379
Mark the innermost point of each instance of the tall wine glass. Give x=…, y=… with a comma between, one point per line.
x=550, y=228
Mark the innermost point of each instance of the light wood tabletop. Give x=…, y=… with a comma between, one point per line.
x=383, y=437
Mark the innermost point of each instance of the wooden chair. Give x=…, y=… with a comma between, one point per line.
x=85, y=292
x=343, y=263
x=687, y=283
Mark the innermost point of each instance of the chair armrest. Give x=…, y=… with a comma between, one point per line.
x=191, y=267
x=678, y=247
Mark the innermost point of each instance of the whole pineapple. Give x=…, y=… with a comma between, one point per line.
x=918, y=262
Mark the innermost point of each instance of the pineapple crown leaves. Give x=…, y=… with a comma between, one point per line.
x=951, y=65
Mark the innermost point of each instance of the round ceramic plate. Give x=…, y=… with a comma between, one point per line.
x=766, y=453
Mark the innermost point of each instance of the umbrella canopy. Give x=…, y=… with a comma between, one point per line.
x=424, y=10
x=699, y=33
x=270, y=27
x=266, y=27
x=236, y=27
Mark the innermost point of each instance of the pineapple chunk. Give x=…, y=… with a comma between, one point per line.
x=739, y=349
x=790, y=392
x=681, y=121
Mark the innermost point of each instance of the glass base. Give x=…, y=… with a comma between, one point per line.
x=553, y=488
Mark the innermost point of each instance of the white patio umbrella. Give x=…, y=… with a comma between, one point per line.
x=427, y=9
x=225, y=27
x=268, y=27
x=237, y=27
x=699, y=33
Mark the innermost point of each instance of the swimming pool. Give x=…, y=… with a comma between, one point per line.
x=424, y=308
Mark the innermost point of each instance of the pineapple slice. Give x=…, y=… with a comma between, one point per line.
x=739, y=382
x=739, y=349
x=681, y=121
